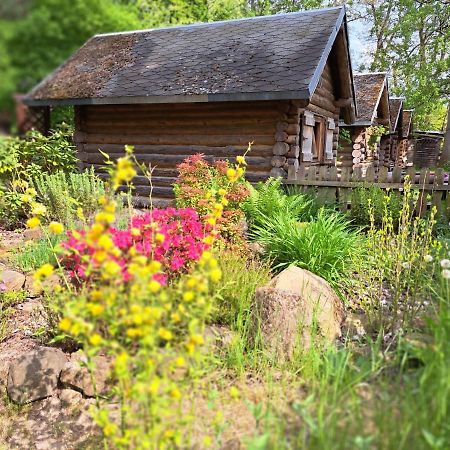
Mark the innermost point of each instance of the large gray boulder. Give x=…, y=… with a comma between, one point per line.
x=294, y=308
x=34, y=375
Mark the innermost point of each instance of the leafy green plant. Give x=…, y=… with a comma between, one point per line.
x=37, y=253
x=62, y=194
x=366, y=195
x=325, y=246
x=267, y=200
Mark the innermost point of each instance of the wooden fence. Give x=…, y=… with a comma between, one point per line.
x=334, y=185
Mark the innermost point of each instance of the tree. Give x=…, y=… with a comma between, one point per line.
x=50, y=31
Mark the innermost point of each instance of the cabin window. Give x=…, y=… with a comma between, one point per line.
x=317, y=138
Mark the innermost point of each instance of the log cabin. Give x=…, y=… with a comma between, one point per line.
x=372, y=99
x=406, y=142
x=389, y=155
x=282, y=82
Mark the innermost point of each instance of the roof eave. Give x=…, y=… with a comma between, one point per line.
x=194, y=98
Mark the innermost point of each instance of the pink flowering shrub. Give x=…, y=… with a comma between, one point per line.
x=176, y=238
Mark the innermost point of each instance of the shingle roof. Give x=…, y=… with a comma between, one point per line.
x=368, y=88
x=395, y=106
x=271, y=57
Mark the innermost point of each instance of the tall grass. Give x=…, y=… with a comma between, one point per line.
x=326, y=246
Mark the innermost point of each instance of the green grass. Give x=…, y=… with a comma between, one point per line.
x=37, y=253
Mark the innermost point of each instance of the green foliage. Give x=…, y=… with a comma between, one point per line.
x=241, y=275
x=370, y=200
x=22, y=159
x=51, y=30
x=325, y=246
x=63, y=194
x=37, y=253
x=12, y=209
x=267, y=200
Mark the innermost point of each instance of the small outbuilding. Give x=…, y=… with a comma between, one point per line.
x=360, y=141
x=282, y=82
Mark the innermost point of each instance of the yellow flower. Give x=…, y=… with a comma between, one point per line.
x=208, y=240
x=241, y=160
x=175, y=393
x=180, y=361
x=231, y=174
x=95, y=339
x=104, y=217
x=65, y=324
x=38, y=209
x=56, y=227
x=43, y=272
x=95, y=308
x=197, y=339
x=159, y=237
x=105, y=242
x=110, y=429
x=154, y=266
x=215, y=275
x=240, y=171
x=234, y=392
x=222, y=192
x=188, y=296
x=211, y=221
x=175, y=317
x=154, y=286
x=135, y=231
x=111, y=269
x=33, y=222
x=165, y=334
x=80, y=213
x=225, y=202
x=26, y=198
x=99, y=256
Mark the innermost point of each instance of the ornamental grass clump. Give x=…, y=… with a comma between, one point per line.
x=128, y=306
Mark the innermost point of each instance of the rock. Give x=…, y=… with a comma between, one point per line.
x=35, y=375
x=291, y=305
x=12, y=280
x=35, y=290
x=75, y=374
x=33, y=234
x=69, y=397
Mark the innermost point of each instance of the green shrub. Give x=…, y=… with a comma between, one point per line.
x=12, y=209
x=23, y=159
x=325, y=246
x=63, y=194
x=268, y=200
x=365, y=196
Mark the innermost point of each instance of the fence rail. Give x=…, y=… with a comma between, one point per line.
x=335, y=185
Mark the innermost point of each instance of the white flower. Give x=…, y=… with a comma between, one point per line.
x=445, y=263
x=428, y=258
x=446, y=274
x=407, y=265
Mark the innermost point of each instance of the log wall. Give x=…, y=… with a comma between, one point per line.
x=163, y=135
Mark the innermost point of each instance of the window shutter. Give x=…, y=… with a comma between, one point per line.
x=307, y=137
x=329, y=139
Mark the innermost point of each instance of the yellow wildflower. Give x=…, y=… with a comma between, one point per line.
x=231, y=174
x=241, y=160
x=43, y=272
x=105, y=242
x=95, y=308
x=197, y=339
x=95, y=339
x=154, y=266
x=234, y=392
x=222, y=192
x=80, y=214
x=111, y=269
x=38, y=209
x=188, y=296
x=165, y=334
x=180, y=361
x=26, y=198
x=56, y=227
x=159, y=237
x=135, y=231
x=215, y=275
x=175, y=393
x=154, y=286
x=211, y=221
x=33, y=222
x=65, y=324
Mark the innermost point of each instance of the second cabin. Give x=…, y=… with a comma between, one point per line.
x=283, y=82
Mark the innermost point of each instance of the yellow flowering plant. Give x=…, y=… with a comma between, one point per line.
x=150, y=328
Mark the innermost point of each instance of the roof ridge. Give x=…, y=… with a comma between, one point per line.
x=219, y=22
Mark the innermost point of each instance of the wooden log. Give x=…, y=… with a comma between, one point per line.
x=280, y=148
x=294, y=151
x=278, y=161
x=200, y=139
x=293, y=139
x=356, y=153
x=294, y=162
x=277, y=172
x=356, y=146
x=356, y=160
x=282, y=126
x=281, y=136
x=293, y=129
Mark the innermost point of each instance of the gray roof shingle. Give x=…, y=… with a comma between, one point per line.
x=272, y=57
